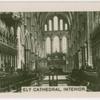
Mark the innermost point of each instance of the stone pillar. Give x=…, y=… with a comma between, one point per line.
x=10, y=60
x=80, y=58
x=20, y=45
x=52, y=25
x=89, y=41
x=86, y=53
x=67, y=44
x=60, y=44
x=15, y=62
x=44, y=48
x=18, y=48
x=89, y=54
x=51, y=45
x=27, y=58
x=30, y=60
x=47, y=26
x=6, y=60
x=83, y=56
x=0, y=60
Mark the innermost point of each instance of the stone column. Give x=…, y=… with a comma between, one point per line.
x=60, y=44
x=47, y=25
x=52, y=25
x=80, y=58
x=18, y=48
x=67, y=44
x=51, y=45
x=0, y=60
x=15, y=62
x=44, y=48
x=86, y=53
x=27, y=58
x=30, y=60
x=89, y=41
x=83, y=56
x=11, y=61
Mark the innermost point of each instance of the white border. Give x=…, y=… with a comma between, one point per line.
x=34, y=6
x=53, y=0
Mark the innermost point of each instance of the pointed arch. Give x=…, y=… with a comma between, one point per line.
x=55, y=20
x=50, y=25
x=56, y=44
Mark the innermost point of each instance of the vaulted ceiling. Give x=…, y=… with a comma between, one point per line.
x=42, y=17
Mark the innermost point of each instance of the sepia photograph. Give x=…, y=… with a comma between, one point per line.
x=49, y=49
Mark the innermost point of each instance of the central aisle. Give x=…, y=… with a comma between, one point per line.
x=62, y=80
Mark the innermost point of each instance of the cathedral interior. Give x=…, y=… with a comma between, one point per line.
x=49, y=49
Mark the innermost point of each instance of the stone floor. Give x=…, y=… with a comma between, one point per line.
x=62, y=81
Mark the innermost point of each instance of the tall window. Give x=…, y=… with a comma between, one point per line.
x=45, y=27
x=50, y=25
x=56, y=44
x=61, y=24
x=66, y=26
x=48, y=45
x=55, y=23
x=64, y=44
